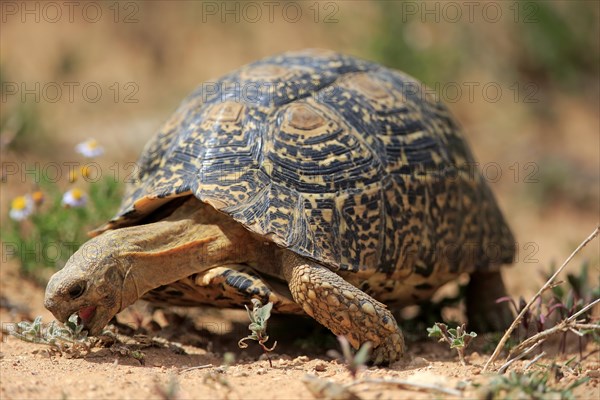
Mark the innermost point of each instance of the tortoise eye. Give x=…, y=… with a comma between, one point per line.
x=76, y=290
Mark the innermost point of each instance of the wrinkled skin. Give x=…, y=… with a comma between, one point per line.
x=96, y=301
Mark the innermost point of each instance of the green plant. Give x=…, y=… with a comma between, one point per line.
x=430, y=311
x=532, y=385
x=557, y=304
x=22, y=128
x=69, y=338
x=354, y=362
x=258, y=326
x=457, y=338
x=53, y=232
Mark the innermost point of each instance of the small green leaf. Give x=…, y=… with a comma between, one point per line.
x=345, y=345
x=263, y=313
x=254, y=327
x=434, y=331
x=228, y=358
x=362, y=355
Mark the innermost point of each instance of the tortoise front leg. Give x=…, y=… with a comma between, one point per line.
x=344, y=309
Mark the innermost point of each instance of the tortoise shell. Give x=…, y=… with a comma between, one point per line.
x=338, y=159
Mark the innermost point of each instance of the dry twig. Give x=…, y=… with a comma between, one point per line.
x=196, y=367
x=408, y=385
x=534, y=298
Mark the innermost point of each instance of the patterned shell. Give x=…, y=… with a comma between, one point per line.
x=338, y=159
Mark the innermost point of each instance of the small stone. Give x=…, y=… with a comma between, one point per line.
x=419, y=362
x=261, y=371
x=301, y=359
x=240, y=374
x=320, y=367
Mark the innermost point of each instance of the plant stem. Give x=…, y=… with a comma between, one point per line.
x=534, y=298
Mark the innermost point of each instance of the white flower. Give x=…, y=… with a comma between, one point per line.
x=74, y=198
x=20, y=208
x=89, y=148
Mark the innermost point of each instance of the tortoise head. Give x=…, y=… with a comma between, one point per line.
x=90, y=284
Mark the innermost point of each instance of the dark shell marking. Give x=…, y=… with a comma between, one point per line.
x=339, y=161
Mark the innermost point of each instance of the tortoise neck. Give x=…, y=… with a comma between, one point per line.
x=194, y=239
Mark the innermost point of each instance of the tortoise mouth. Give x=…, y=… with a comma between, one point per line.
x=86, y=314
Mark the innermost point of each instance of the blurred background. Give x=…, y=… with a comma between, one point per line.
x=521, y=77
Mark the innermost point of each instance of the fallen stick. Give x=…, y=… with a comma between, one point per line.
x=530, y=363
x=196, y=367
x=503, y=368
x=409, y=385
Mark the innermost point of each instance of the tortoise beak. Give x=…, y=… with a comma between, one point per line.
x=56, y=307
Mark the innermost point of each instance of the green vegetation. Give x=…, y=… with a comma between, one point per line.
x=560, y=303
x=68, y=338
x=22, y=130
x=258, y=326
x=53, y=231
x=354, y=362
x=550, y=44
x=457, y=338
x=531, y=385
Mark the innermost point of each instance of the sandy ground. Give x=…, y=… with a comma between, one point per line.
x=167, y=371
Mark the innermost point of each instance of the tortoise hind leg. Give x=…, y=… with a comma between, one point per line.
x=344, y=309
x=483, y=313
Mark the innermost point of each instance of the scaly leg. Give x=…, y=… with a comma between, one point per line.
x=344, y=309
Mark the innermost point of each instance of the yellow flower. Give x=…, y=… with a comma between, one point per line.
x=74, y=198
x=89, y=148
x=20, y=208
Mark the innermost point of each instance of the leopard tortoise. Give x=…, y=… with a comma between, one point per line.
x=325, y=184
